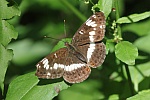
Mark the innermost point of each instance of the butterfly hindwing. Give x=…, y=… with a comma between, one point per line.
x=94, y=53
x=76, y=70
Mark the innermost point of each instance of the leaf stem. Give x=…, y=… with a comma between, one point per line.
x=129, y=79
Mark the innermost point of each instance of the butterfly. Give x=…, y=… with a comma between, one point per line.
x=74, y=62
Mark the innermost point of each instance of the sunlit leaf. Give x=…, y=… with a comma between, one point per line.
x=105, y=6
x=9, y=9
x=126, y=52
x=8, y=33
x=26, y=87
x=61, y=44
x=5, y=57
x=134, y=18
x=143, y=43
x=143, y=95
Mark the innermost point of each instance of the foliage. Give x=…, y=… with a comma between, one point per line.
x=125, y=73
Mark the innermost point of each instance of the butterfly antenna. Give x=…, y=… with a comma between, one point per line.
x=53, y=38
x=59, y=39
x=65, y=29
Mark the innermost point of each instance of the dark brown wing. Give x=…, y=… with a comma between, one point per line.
x=76, y=71
x=94, y=52
x=92, y=30
x=52, y=66
x=62, y=63
x=87, y=40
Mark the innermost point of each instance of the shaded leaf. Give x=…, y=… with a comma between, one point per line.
x=143, y=95
x=126, y=52
x=140, y=28
x=28, y=51
x=82, y=91
x=134, y=18
x=139, y=73
x=143, y=43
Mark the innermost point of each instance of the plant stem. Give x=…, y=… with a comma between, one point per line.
x=129, y=79
x=74, y=10
x=117, y=17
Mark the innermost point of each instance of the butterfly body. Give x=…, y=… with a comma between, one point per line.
x=73, y=62
x=75, y=52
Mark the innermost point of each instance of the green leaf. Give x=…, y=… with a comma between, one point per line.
x=20, y=86
x=134, y=18
x=104, y=6
x=8, y=33
x=143, y=95
x=114, y=97
x=140, y=75
x=9, y=9
x=61, y=44
x=5, y=57
x=82, y=91
x=126, y=52
x=25, y=88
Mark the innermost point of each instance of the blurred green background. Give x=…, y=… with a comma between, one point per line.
x=46, y=17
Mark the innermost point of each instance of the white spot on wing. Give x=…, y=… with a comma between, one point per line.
x=91, y=38
x=81, y=32
x=49, y=74
x=90, y=51
x=38, y=66
x=91, y=23
x=56, y=66
x=73, y=67
x=47, y=67
x=94, y=16
x=44, y=60
x=101, y=26
x=88, y=22
x=45, y=63
x=92, y=33
x=55, y=55
x=61, y=66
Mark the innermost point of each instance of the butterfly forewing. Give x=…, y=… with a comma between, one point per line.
x=92, y=30
x=63, y=63
x=52, y=66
